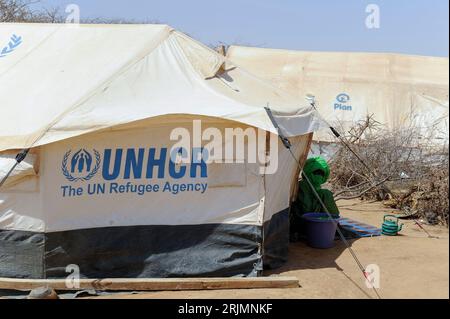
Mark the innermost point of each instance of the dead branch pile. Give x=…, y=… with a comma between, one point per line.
x=405, y=170
x=427, y=199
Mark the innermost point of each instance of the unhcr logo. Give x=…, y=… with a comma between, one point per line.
x=14, y=42
x=342, y=102
x=133, y=163
x=133, y=171
x=81, y=165
x=145, y=170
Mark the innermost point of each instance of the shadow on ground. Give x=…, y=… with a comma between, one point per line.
x=301, y=256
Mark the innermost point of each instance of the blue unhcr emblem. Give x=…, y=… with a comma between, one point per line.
x=14, y=42
x=80, y=166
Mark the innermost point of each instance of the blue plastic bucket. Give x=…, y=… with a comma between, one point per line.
x=320, y=229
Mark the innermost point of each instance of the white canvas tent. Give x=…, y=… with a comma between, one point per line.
x=97, y=105
x=398, y=90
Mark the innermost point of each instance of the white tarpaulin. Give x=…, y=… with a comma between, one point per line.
x=399, y=90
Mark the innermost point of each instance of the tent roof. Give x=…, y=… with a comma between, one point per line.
x=370, y=67
x=399, y=90
x=62, y=80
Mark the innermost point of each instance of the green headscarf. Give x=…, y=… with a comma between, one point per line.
x=307, y=201
x=313, y=164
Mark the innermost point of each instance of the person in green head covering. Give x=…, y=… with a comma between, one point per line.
x=318, y=172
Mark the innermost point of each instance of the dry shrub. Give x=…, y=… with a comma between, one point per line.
x=427, y=198
x=403, y=168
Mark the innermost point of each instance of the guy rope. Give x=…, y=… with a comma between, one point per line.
x=287, y=144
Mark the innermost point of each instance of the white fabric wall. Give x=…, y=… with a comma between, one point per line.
x=236, y=193
x=281, y=187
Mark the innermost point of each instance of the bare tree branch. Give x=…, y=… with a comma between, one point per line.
x=408, y=171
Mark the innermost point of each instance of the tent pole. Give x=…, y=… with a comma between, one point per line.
x=371, y=172
x=344, y=142
x=288, y=146
x=19, y=158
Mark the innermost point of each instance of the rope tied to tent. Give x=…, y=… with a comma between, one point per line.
x=287, y=144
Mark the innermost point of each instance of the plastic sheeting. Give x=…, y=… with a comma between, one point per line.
x=133, y=252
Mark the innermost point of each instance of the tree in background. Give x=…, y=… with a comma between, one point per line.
x=15, y=11
x=21, y=11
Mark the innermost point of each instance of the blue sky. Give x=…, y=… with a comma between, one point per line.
x=406, y=26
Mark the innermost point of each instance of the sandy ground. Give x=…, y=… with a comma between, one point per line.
x=411, y=265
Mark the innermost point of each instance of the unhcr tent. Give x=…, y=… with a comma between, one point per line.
x=398, y=90
x=99, y=106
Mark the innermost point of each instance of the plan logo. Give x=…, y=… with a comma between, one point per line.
x=81, y=165
x=342, y=102
x=14, y=42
